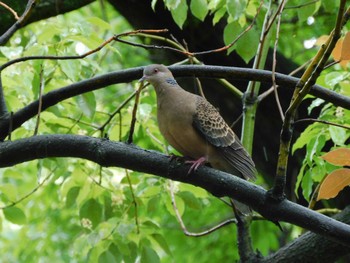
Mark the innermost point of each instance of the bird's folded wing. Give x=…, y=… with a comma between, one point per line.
x=238, y=157
x=209, y=123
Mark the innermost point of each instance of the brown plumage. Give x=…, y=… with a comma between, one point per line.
x=195, y=128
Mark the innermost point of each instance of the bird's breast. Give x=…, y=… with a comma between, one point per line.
x=175, y=120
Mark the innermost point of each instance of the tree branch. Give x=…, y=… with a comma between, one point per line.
x=58, y=95
x=296, y=250
x=19, y=23
x=108, y=153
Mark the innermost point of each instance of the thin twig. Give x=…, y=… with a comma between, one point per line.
x=13, y=203
x=301, y=90
x=302, y=5
x=134, y=111
x=121, y=106
x=182, y=224
x=134, y=202
x=41, y=88
x=19, y=23
x=274, y=85
x=323, y=122
x=14, y=13
x=266, y=93
x=183, y=50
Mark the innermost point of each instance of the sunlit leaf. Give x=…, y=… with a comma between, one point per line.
x=190, y=200
x=107, y=257
x=219, y=14
x=236, y=8
x=306, y=11
x=306, y=185
x=248, y=44
x=338, y=134
x=148, y=255
x=199, y=8
x=180, y=13
x=345, y=51
x=99, y=22
x=91, y=210
x=87, y=103
x=340, y=156
x=180, y=205
x=15, y=215
x=162, y=243
x=334, y=183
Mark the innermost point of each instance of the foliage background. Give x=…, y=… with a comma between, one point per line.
x=70, y=210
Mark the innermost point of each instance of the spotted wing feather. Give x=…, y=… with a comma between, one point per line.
x=208, y=121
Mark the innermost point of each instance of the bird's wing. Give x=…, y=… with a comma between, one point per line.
x=209, y=123
x=239, y=158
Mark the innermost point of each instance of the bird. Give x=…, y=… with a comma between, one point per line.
x=195, y=128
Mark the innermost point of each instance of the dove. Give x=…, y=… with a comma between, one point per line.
x=195, y=128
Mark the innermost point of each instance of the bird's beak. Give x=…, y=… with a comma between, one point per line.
x=144, y=77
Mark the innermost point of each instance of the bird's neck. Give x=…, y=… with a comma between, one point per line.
x=165, y=86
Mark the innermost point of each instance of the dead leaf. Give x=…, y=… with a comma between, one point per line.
x=340, y=156
x=334, y=183
x=337, y=50
x=345, y=50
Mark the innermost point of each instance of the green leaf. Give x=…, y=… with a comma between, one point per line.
x=248, y=44
x=11, y=52
x=334, y=78
x=306, y=11
x=106, y=257
x=314, y=146
x=310, y=132
x=180, y=205
x=91, y=210
x=148, y=255
x=9, y=191
x=179, y=13
x=330, y=5
x=99, y=22
x=231, y=32
x=72, y=196
x=299, y=178
x=199, y=8
x=162, y=243
x=190, y=200
x=153, y=4
x=87, y=103
x=15, y=215
x=219, y=14
x=315, y=103
x=172, y=4
x=236, y=8
x=306, y=185
x=338, y=134
x=70, y=68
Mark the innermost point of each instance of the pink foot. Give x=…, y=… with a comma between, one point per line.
x=196, y=164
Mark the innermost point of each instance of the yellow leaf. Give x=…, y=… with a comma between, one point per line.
x=321, y=40
x=334, y=183
x=339, y=157
x=337, y=50
x=345, y=51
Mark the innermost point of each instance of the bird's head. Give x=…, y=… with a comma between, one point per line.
x=155, y=74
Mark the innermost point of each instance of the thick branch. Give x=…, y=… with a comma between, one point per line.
x=108, y=153
x=296, y=250
x=55, y=96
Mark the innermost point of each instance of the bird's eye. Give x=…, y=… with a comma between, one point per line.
x=155, y=70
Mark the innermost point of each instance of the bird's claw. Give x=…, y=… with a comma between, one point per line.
x=195, y=164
